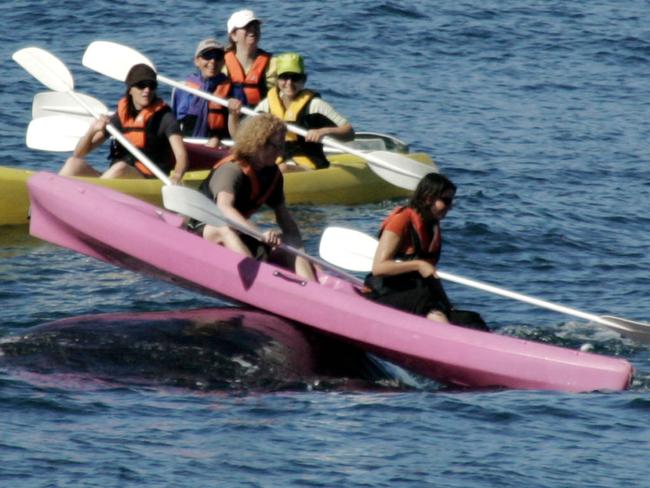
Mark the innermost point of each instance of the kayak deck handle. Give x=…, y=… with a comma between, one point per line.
x=279, y=274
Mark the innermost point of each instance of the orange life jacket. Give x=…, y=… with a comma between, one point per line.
x=135, y=130
x=423, y=245
x=253, y=82
x=420, y=244
x=256, y=197
x=217, y=114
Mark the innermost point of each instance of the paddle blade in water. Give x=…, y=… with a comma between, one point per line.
x=112, y=59
x=45, y=67
x=639, y=331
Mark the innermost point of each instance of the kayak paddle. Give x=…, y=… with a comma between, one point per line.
x=115, y=60
x=44, y=134
x=61, y=133
x=353, y=250
x=50, y=70
x=58, y=103
x=187, y=201
x=57, y=133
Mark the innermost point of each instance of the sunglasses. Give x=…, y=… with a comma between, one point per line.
x=146, y=84
x=214, y=54
x=295, y=77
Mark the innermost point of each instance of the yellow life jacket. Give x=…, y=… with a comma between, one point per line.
x=293, y=114
x=293, y=111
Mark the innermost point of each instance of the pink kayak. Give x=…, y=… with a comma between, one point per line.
x=130, y=233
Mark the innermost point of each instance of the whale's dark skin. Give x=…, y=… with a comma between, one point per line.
x=210, y=349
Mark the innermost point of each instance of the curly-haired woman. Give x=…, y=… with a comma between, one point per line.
x=246, y=180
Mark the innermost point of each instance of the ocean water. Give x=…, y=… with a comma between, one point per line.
x=538, y=110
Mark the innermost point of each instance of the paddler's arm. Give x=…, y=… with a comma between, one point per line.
x=226, y=205
x=290, y=232
x=291, y=236
x=384, y=263
x=340, y=127
x=343, y=132
x=234, y=116
x=180, y=155
x=93, y=138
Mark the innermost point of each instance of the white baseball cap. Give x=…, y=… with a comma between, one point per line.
x=240, y=19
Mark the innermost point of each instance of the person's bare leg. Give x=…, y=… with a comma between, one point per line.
x=437, y=316
x=226, y=237
x=121, y=169
x=75, y=166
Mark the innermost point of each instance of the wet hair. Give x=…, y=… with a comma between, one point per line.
x=254, y=133
x=430, y=187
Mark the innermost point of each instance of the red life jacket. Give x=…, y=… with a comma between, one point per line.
x=421, y=244
x=256, y=197
x=135, y=130
x=253, y=82
x=217, y=114
x=418, y=244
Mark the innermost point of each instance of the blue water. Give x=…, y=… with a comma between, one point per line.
x=538, y=110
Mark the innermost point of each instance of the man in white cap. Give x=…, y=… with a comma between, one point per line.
x=251, y=69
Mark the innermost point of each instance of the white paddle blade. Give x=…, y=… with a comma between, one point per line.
x=348, y=249
x=204, y=141
x=57, y=133
x=112, y=59
x=191, y=203
x=45, y=67
x=397, y=169
x=354, y=250
x=46, y=104
x=115, y=60
x=639, y=331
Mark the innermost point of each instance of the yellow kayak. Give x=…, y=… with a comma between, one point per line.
x=347, y=181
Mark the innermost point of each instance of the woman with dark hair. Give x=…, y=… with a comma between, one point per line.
x=147, y=122
x=403, y=272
